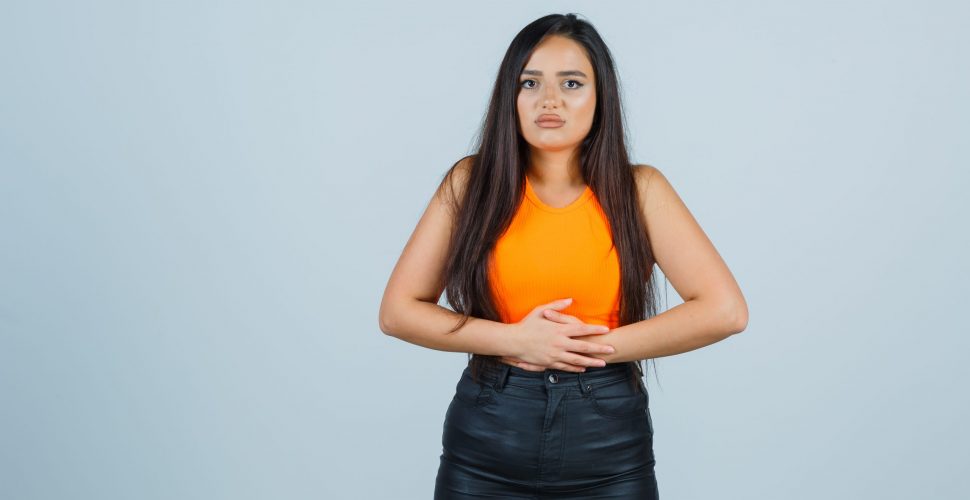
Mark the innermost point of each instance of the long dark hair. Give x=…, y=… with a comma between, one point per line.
x=496, y=183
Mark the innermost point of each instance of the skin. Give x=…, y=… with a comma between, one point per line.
x=713, y=307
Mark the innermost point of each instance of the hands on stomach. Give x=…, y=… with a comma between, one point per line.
x=544, y=340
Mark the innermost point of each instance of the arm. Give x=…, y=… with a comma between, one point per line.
x=425, y=324
x=409, y=308
x=713, y=307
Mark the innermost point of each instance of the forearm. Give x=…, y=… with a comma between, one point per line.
x=429, y=325
x=686, y=327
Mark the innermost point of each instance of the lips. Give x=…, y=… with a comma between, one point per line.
x=549, y=119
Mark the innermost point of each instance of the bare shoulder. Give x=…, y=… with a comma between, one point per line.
x=643, y=172
x=451, y=189
x=654, y=189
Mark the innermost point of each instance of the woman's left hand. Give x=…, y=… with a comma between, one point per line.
x=552, y=315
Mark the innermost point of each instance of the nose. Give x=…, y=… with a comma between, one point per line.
x=550, y=98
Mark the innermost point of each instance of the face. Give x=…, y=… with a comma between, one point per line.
x=557, y=80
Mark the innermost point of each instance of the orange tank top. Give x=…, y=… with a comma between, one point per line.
x=550, y=253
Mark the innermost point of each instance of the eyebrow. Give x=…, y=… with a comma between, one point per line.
x=572, y=72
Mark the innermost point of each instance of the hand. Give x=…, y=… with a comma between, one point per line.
x=544, y=340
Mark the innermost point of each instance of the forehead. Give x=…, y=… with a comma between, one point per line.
x=558, y=53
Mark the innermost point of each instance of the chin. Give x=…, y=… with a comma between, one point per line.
x=553, y=145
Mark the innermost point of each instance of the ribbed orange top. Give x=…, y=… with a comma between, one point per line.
x=550, y=253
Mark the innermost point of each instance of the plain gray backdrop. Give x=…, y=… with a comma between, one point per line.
x=201, y=203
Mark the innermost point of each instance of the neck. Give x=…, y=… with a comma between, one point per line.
x=555, y=168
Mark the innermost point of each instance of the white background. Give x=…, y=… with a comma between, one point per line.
x=201, y=203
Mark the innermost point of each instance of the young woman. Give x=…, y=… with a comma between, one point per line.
x=549, y=208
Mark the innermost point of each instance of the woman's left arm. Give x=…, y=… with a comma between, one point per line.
x=713, y=307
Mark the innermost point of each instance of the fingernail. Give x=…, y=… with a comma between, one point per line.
x=570, y=299
x=611, y=350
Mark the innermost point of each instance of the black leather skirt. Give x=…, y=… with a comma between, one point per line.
x=550, y=434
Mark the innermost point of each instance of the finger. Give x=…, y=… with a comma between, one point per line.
x=578, y=360
x=566, y=367
x=522, y=364
x=554, y=315
x=556, y=304
x=590, y=347
x=587, y=329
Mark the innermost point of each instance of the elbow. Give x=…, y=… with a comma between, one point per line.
x=731, y=313
x=387, y=326
x=736, y=316
x=385, y=320
x=396, y=315
x=383, y=324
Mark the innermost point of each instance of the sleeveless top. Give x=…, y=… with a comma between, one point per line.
x=550, y=253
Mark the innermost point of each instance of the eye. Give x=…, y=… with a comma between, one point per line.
x=578, y=85
x=523, y=82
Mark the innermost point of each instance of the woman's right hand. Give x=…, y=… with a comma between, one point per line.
x=540, y=343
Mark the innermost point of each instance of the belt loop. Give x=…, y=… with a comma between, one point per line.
x=583, y=387
x=503, y=375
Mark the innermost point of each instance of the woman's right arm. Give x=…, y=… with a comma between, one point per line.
x=409, y=309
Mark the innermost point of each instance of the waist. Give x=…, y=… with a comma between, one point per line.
x=622, y=370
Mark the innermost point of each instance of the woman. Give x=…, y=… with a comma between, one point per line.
x=552, y=404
